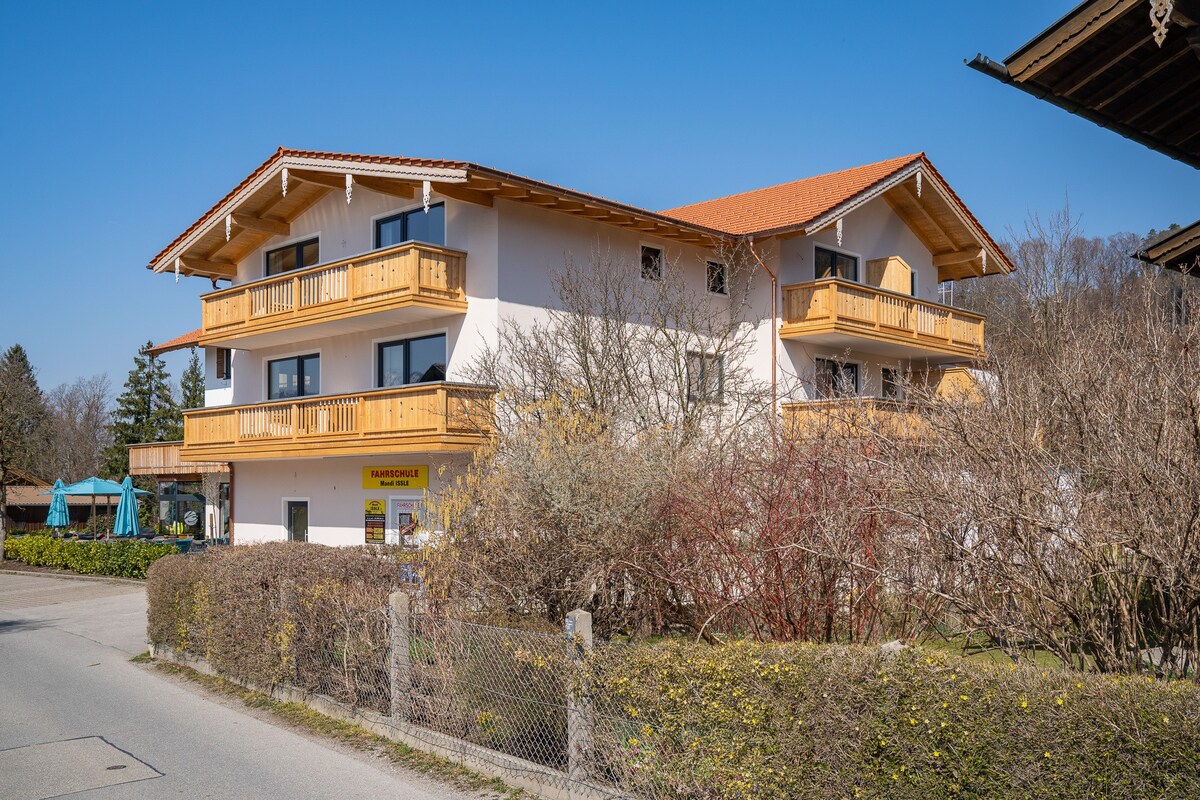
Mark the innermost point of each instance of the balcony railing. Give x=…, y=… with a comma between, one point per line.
x=162, y=459
x=840, y=307
x=409, y=274
x=854, y=416
x=428, y=417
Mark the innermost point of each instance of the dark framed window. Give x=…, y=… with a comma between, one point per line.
x=831, y=264
x=893, y=389
x=652, y=263
x=416, y=225
x=705, y=377
x=297, y=255
x=224, y=363
x=717, y=283
x=298, y=376
x=405, y=361
x=836, y=379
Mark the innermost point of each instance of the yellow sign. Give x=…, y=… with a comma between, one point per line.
x=396, y=477
x=376, y=507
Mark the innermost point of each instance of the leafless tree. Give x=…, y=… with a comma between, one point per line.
x=1058, y=507
x=80, y=414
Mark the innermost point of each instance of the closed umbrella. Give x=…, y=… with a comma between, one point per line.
x=126, y=521
x=59, y=516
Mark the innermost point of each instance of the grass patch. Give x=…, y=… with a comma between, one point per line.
x=302, y=716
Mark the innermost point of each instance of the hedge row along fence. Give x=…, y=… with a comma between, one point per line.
x=118, y=558
x=672, y=719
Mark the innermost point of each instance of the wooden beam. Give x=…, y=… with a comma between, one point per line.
x=958, y=257
x=224, y=269
x=385, y=186
x=915, y=202
x=262, y=224
x=459, y=192
x=327, y=179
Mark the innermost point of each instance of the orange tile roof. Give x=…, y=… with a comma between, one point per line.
x=190, y=339
x=789, y=205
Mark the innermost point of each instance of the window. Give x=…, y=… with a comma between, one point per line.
x=705, y=377
x=836, y=379
x=416, y=225
x=298, y=376
x=412, y=361
x=716, y=278
x=296, y=519
x=652, y=263
x=912, y=283
x=293, y=256
x=946, y=293
x=224, y=365
x=829, y=264
x=893, y=389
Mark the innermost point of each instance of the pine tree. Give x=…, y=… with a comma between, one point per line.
x=192, y=383
x=146, y=412
x=24, y=424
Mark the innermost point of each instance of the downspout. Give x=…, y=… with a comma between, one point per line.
x=774, y=324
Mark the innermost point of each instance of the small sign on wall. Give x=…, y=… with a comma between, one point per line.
x=374, y=520
x=413, y=477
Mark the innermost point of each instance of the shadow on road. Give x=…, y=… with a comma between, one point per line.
x=19, y=625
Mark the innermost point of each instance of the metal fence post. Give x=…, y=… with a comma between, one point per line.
x=399, y=620
x=579, y=724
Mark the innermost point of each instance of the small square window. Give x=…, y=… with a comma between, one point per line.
x=706, y=378
x=652, y=263
x=831, y=264
x=716, y=278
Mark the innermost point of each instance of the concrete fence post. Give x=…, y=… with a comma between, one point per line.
x=579, y=719
x=400, y=622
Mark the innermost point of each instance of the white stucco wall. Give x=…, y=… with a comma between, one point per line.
x=333, y=489
x=513, y=249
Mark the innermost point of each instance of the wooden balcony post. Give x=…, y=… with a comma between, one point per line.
x=295, y=420
x=246, y=306
x=414, y=256
x=443, y=404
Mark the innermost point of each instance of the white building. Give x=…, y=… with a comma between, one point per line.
x=363, y=286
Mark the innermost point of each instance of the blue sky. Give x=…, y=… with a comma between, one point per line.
x=123, y=122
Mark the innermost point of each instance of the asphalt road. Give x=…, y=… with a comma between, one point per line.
x=77, y=718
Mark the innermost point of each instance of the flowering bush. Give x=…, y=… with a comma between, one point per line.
x=819, y=721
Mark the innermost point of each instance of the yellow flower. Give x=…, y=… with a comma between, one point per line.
x=1047, y=755
x=962, y=697
x=1059, y=701
x=936, y=753
x=1024, y=704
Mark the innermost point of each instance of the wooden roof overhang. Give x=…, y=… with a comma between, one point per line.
x=1102, y=63
x=1178, y=250
x=258, y=209
x=961, y=248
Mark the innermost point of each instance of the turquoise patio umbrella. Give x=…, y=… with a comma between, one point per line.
x=126, y=521
x=59, y=516
x=96, y=487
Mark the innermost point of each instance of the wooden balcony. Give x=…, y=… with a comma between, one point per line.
x=854, y=316
x=410, y=281
x=853, y=416
x=162, y=459
x=436, y=417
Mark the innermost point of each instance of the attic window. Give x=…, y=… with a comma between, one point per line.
x=652, y=263
x=716, y=278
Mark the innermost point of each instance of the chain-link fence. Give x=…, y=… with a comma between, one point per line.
x=504, y=689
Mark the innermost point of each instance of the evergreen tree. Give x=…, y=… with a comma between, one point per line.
x=146, y=412
x=192, y=383
x=24, y=424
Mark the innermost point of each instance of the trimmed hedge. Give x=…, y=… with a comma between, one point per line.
x=118, y=558
x=307, y=615
x=738, y=722
x=819, y=721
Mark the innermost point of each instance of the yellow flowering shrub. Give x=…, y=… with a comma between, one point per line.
x=755, y=721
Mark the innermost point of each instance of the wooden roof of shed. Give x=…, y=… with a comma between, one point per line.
x=1102, y=63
